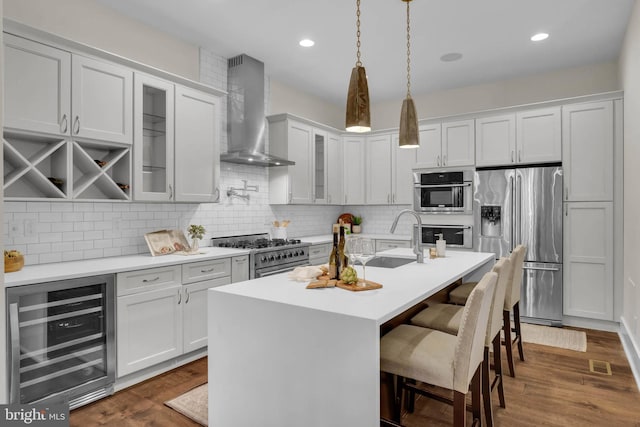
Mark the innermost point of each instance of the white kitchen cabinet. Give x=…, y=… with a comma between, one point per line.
x=153, y=141
x=539, y=135
x=334, y=169
x=197, y=146
x=403, y=162
x=389, y=177
x=353, y=169
x=588, y=260
x=319, y=253
x=456, y=146
x=587, y=151
x=524, y=137
x=194, y=312
x=429, y=153
x=149, y=323
x=37, y=87
x=378, y=166
x=320, y=156
x=102, y=100
x=496, y=140
x=293, y=140
x=239, y=268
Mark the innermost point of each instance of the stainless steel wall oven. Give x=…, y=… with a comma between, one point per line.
x=457, y=236
x=443, y=192
x=61, y=341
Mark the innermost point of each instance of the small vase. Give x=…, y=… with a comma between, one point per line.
x=356, y=229
x=195, y=244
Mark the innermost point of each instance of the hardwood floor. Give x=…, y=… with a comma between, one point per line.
x=553, y=387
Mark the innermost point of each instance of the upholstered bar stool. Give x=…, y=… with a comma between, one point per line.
x=447, y=318
x=511, y=303
x=441, y=359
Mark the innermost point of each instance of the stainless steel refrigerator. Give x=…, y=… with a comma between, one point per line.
x=524, y=206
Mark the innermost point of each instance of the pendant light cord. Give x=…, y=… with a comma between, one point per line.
x=408, y=52
x=358, y=62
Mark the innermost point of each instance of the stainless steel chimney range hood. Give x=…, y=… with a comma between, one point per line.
x=245, y=115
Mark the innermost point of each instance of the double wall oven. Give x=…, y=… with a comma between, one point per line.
x=267, y=256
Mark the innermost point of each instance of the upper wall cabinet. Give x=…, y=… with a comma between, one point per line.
x=197, y=146
x=388, y=171
x=153, y=138
x=334, y=169
x=102, y=101
x=587, y=145
x=37, y=90
x=526, y=137
x=456, y=146
x=51, y=91
x=353, y=169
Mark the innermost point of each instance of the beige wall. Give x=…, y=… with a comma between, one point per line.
x=630, y=78
x=285, y=99
x=91, y=23
x=523, y=90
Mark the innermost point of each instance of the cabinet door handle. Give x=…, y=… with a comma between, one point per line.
x=179, y=296
x=513, y=156
x=208, y=270
x=76, y=125
x=438, y=161
x=217, y=199
x=14, y=354
x=64, y=123
x=388, y=198
x=444, y=160
x=290, y=196
x=393, y=198
x=188, y=295
x=566, y=210
x=519, y=156
x=151, y=280
x=170, y=192
x=566, y=193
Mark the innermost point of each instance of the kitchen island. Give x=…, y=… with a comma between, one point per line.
x=283, y=355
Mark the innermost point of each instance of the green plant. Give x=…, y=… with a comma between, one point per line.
x=196, y=231
x=357, y=220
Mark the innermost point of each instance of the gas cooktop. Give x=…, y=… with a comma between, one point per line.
x=253, y=241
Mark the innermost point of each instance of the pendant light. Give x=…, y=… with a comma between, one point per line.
x=358, y=117
x=409, y=137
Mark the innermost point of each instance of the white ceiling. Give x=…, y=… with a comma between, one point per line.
x=492, y=35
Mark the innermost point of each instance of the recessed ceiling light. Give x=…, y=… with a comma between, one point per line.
x=450, y=57
x=539, y=37
x=307, y=43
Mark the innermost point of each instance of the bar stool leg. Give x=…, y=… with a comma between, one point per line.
x=516, y=321
x=507, y=340
x=497, y=366
x=486, y=389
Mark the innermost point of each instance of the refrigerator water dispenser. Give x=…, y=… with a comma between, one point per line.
x=491, y=223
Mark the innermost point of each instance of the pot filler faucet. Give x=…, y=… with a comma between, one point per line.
x=416, y=237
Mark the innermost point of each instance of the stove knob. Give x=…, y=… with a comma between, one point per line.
x=278, y=257
x=264, y=259
x=295, y=253
x=301, y=252
x=271, y=258
x=289, y=254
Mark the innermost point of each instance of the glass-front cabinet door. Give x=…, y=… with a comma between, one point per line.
x=153, y=139
x=320, y=166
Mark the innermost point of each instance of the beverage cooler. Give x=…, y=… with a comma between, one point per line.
x=61, y=341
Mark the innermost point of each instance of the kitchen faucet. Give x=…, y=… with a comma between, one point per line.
x=416, y=233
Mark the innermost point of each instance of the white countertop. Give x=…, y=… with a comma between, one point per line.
x=67, y=270
x=403, y=286
x=328, y=238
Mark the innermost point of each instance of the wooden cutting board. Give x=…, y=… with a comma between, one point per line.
x=368, y=285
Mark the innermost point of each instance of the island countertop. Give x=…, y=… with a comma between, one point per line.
x=403, y=286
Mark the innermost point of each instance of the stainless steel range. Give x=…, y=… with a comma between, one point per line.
x=267, y=256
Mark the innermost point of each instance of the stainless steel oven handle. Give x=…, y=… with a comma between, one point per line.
x=464, y=184
x=14, y=363
x=464, y=227
x=541, y=268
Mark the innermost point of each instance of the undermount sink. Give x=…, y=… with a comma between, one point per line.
x=389, y=262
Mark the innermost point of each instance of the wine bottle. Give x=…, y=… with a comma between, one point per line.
x=333, y=259
x=344, y=261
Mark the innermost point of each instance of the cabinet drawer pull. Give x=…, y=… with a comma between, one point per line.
x=240, y=260
x=208, y=270
x=76, y=125
x=151, y=280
